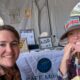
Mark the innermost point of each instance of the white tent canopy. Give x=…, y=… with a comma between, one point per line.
x=41, y=15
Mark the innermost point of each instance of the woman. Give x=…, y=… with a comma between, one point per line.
x=9, y=52
x=70, y=64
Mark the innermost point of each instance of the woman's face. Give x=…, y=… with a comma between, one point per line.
x=9, y=48
x=74, y=36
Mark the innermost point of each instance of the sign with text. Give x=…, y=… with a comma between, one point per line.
x=45, y=42
x=29, y=35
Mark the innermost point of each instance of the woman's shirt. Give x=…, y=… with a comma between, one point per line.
x=71, y=73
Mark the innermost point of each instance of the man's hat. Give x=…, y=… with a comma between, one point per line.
x=73, y=22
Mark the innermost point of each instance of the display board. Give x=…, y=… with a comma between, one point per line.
x=29, y=35
x=45, y=42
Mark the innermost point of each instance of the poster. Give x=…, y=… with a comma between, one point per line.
x=45, y=42
x=29, y=35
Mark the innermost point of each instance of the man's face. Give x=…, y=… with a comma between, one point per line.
x=9, y=48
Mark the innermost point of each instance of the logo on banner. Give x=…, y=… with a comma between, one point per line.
x=44, y=65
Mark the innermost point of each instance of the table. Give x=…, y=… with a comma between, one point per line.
x=39, y=64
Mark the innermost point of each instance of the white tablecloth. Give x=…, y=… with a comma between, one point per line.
x=28, y=61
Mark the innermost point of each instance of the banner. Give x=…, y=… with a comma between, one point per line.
x=42, y=65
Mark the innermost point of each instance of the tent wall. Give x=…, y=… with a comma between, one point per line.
x=45, y=16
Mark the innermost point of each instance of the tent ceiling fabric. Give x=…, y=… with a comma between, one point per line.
x=13, y=11
x=24, y=14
